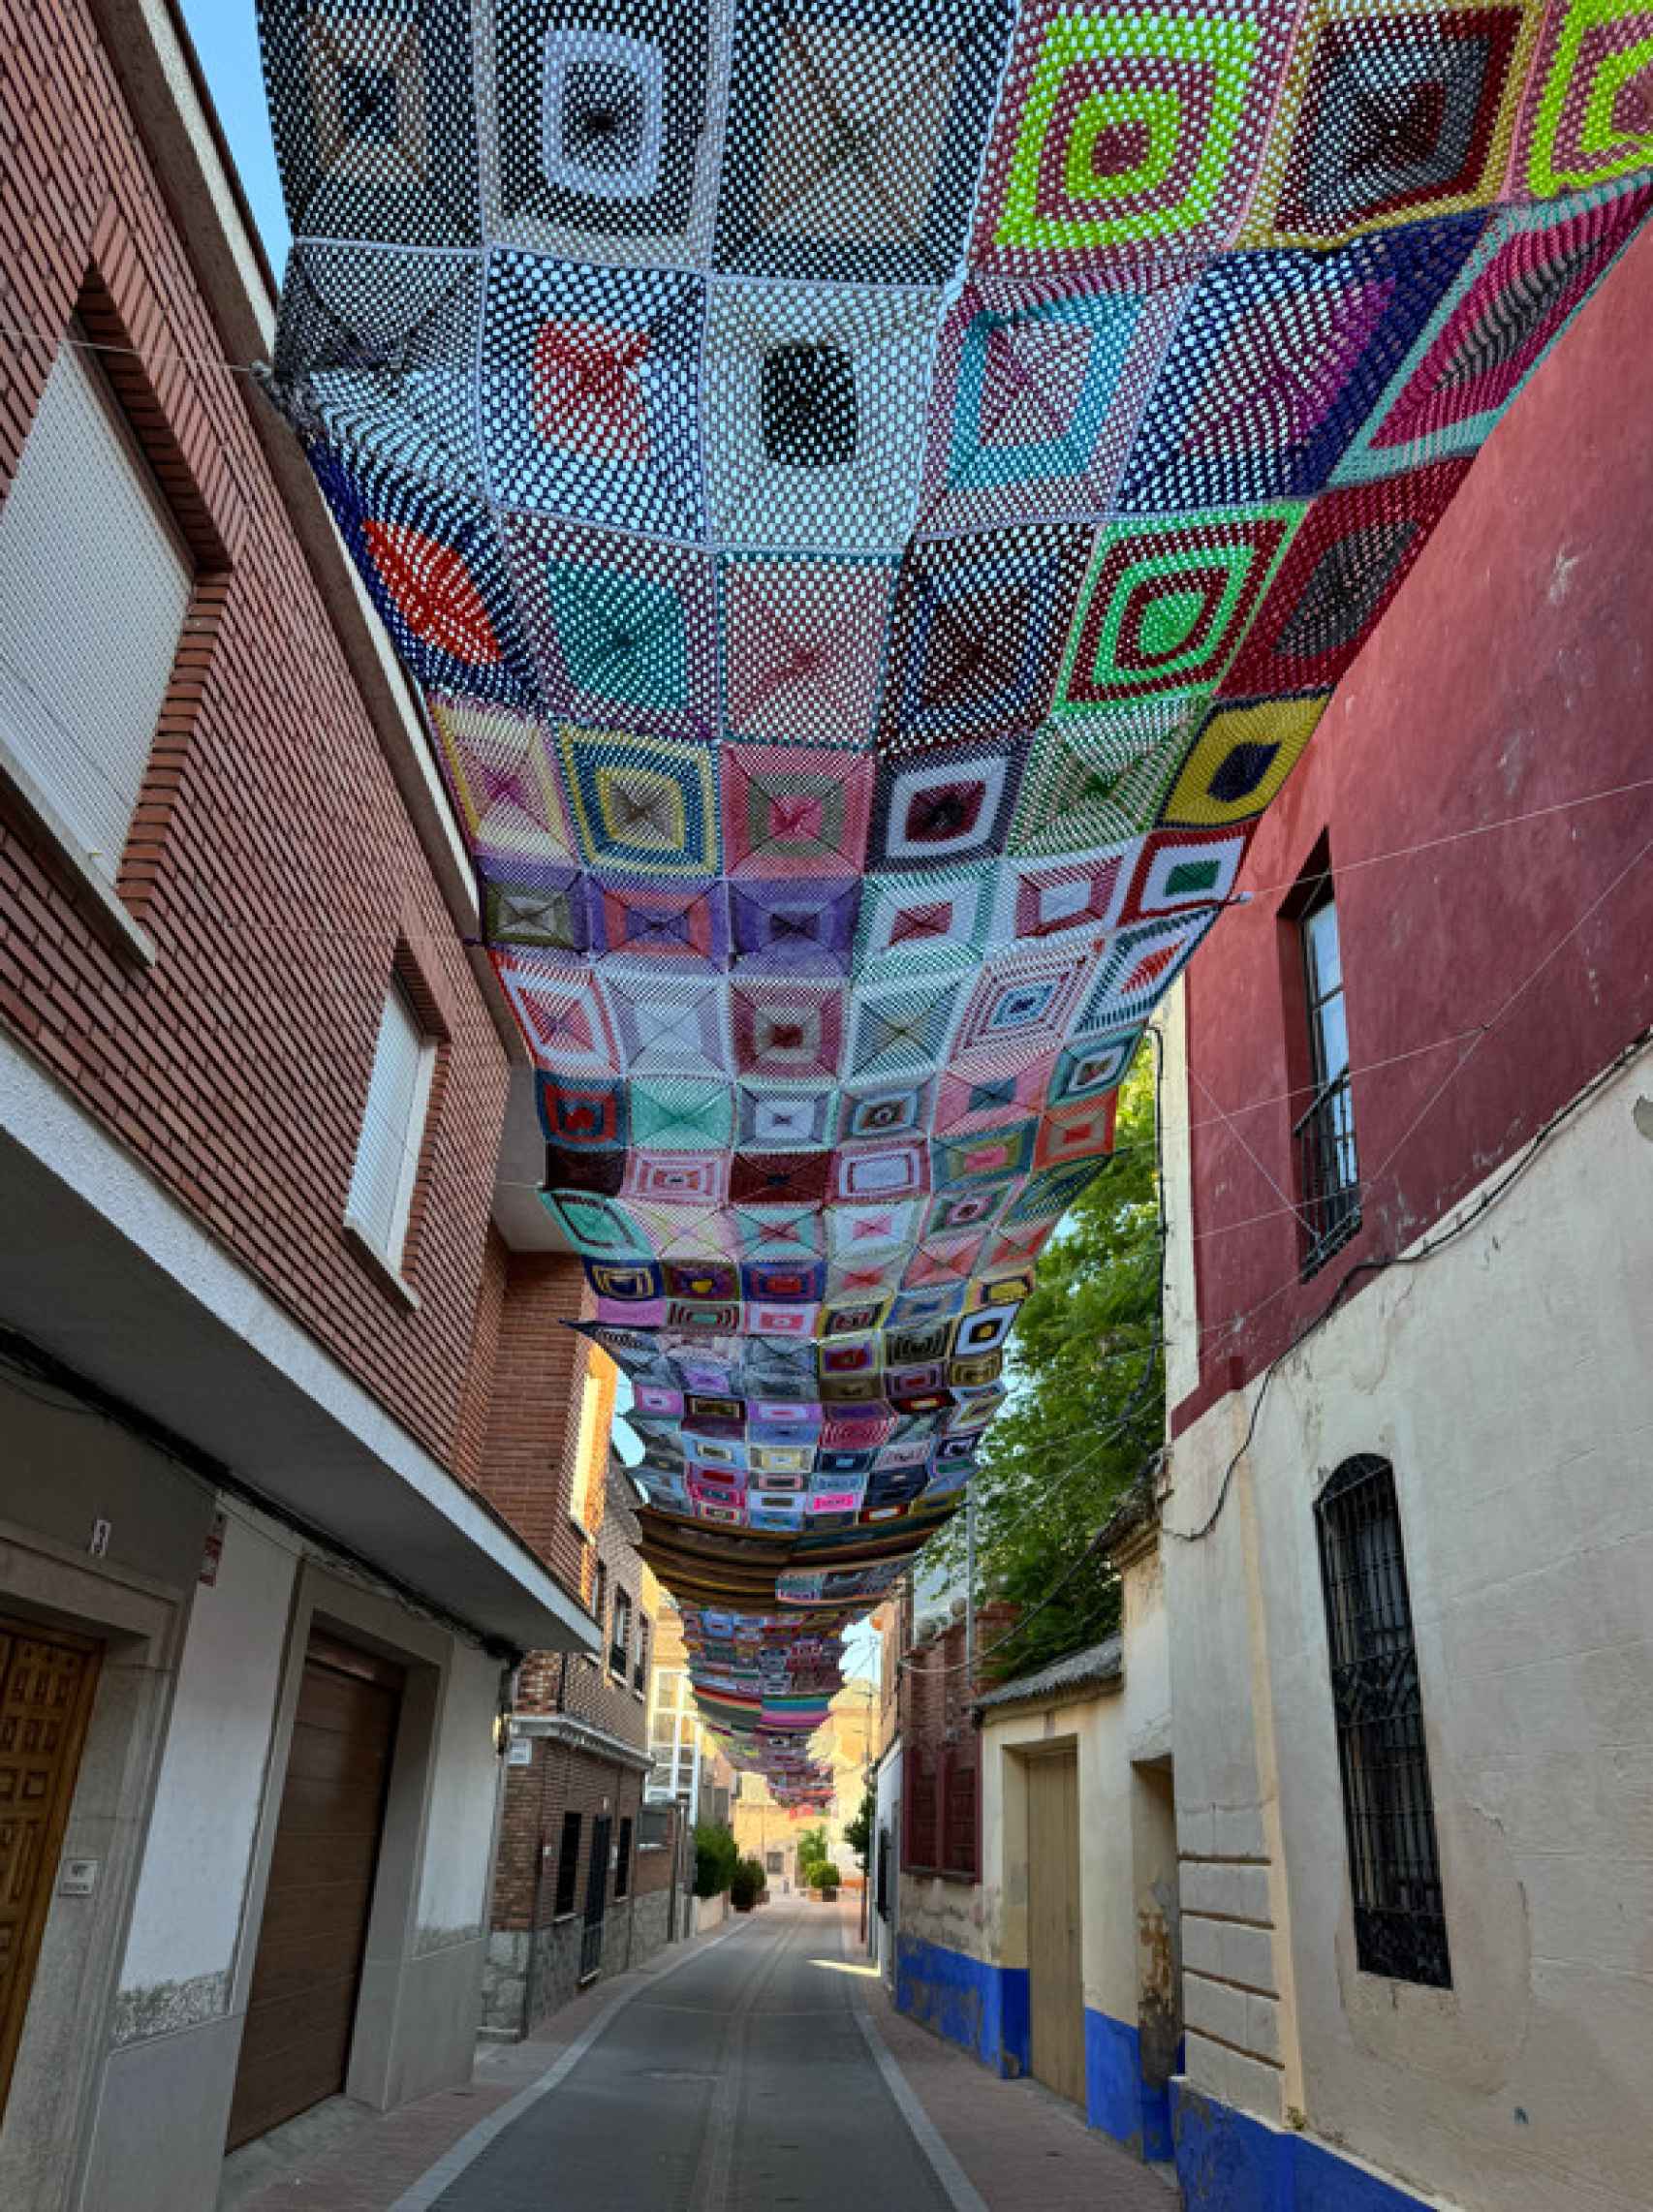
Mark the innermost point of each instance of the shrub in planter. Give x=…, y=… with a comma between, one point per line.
x=746, y=1885
x=826, y=1879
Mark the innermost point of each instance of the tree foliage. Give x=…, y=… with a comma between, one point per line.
x=716, y=1856
x=857, y=1833
x=1087, y=1406
x=811, y=1851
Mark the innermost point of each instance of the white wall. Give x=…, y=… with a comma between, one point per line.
x=890, y=1818
x=1177, y=1180
x=458, y=1849
x=1509, y=1381
x=190, y=1893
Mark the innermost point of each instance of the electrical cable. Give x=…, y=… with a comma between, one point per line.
x=1381, y=1263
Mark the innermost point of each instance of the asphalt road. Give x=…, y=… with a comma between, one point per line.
x=741, y=2082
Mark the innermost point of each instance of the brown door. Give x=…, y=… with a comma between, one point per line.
x=1054, y=1970
x=45, y=1695
x=301, y=2007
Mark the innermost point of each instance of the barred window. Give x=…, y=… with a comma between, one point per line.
x=568, y=1865
x=1400, y=1927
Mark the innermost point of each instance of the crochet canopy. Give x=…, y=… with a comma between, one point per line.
x=875, y=496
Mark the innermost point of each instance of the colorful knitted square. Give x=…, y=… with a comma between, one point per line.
x=858, y=137
x=1129, y=135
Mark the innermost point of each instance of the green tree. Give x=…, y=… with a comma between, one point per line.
x=716, y=1857
x=1087, y=1406
x=857, y=1833
x=811, y=1853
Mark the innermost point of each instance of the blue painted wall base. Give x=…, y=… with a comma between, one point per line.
x=982, y=2008
x=1134, y=2111
x=1227, y=2161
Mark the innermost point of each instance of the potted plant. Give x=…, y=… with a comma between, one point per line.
x=827, y=1881
x=746, y=1884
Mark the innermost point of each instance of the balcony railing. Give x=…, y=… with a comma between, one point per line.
x=1328, y=1181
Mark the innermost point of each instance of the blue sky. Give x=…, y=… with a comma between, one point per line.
x=227, y=39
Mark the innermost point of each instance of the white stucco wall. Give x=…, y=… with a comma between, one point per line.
x=190, y=1893
x=888, y=1794
x=1176, y=1183
x=465, y=1788
x=1509, y=1379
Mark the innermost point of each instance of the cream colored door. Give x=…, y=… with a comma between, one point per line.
x=1053, y=1923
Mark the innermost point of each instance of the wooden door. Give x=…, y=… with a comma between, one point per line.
x=46, y=1682
x=1054, y=1968
x=307, y=1972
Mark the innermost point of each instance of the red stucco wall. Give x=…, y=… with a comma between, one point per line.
x=1512, y=674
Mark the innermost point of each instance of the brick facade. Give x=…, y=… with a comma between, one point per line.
x=536, y=1951
x=533, y=1390
x=940, y=1771
x=271, y=861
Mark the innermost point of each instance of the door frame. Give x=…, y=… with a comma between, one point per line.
x=91, y=1650
x=1047, y=1753
x=422, y=1650
x=47, y=2125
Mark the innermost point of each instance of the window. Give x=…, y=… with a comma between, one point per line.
x=619, y=1648
x=568, y=1866
x=623, y=1861
x=1328, y=1176
x=941, y=1807
x=1400, y=1927
x=600, y=1602
x=95, y=583
x=639, y=1671
x=654, y=1827
x=393, y=1130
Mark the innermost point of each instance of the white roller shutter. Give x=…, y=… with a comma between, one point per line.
x=94, y=587
x=393, y=1130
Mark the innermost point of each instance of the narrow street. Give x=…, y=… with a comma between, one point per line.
x=763, y=2068
x=743, y=2080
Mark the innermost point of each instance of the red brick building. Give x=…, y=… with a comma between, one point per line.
x=287, y=1463
x=588, y=1878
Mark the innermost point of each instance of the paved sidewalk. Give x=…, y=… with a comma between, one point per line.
x=1023, y=2149
x=367, y=2168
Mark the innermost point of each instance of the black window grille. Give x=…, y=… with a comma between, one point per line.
x=639, y=1671
x=623, y=1863
x=619, y=1649
x=600, y=1607
x=568, y=1865
x=1328, y=1180
x=1394, y=1866
x=596, y=1900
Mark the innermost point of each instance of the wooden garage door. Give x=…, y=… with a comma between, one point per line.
x=1054, y=1967
x=301, y=2007
x=45, y=1695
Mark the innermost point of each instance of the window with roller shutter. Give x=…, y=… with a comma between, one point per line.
x=95, y=583
x=393, y=1130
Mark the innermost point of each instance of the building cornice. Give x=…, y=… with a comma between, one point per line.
x=582, y=1735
